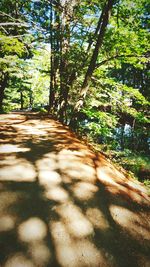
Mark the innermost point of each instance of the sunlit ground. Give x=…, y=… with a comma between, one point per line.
x=63, y=205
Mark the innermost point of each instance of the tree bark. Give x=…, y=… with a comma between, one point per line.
x=67, y=14
x=3, y=85
x=21, y=100
x=104, y=18
x=96, y=31
x=51, y=89
x=54, y=59
x=122, y=137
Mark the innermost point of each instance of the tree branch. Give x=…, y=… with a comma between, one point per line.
x=16, y=36
x=116, y=57
x=7, y=15
x=14, y=24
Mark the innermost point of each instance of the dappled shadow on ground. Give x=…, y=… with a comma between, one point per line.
x=63, y=205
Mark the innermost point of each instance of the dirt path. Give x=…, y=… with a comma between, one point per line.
x=63, y=205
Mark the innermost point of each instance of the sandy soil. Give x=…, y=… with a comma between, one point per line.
x=63, y=205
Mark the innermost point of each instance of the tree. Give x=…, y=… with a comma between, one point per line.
x=98, y=63
x=102, y=24
x=12, y=41
x=12, y=49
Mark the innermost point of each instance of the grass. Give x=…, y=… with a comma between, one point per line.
x=137, y=165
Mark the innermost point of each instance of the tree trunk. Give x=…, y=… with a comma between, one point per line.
x=67, y=14
x=51, y=89
x=3, y=85
x=30, y=99
x=54, y=59
x=104, y=18
x=96, y=31
x=21, y=100
x=65, y=41
x=122, y=137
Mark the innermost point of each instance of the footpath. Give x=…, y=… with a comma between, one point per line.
x=63, y=205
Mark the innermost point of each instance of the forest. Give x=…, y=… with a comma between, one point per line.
x=85, y=63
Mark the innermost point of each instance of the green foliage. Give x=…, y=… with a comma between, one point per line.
x=27, y=77
x=11, y=46
x=39, y=77
x=98, y=125
x=137, y=164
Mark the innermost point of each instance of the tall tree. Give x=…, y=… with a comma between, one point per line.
x=101, y=29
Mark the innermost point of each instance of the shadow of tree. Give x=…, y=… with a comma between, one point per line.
x=23, y=202
x=63, y=205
